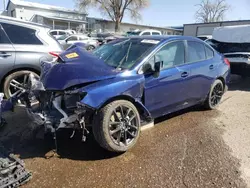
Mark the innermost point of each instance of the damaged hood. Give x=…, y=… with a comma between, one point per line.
x=76, y=67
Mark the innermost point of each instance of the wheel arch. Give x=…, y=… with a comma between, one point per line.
x=136, y=102
x=16, y=70
x=222, y=79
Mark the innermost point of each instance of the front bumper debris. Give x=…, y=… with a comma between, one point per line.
x=13, y=172
x=12, y=169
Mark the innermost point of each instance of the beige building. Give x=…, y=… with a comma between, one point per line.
x=108, y=25
x=52, y=16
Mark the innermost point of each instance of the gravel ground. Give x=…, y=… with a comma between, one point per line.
x=192, y=148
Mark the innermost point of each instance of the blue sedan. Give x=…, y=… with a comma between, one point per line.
x=127, y=83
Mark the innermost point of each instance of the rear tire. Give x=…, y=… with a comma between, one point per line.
x=215, y=94
x=90, y=48
x=20, y=79
x=116, y=126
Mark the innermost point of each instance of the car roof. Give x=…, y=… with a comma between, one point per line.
x=12, y=20
x=150, y=30
x=166, y=37
x=79, y=35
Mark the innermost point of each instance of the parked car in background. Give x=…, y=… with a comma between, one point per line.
x=22, y=46
x=101, y=37
x=204, y=37
x=67, y=41
x=145, y=32
x=59, y=33
x=113, y=37
x=126, y=83
x=234, y=43
x=80, y=45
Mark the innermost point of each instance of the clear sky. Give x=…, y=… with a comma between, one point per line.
x=165, y=12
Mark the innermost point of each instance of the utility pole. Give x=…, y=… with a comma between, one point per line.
x=3, y=5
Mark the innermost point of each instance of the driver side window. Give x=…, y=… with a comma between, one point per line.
x=73, y=38
x=172, y=54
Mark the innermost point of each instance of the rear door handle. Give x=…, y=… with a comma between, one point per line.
x=184, y=74
x=4, y=55
x=211, y=67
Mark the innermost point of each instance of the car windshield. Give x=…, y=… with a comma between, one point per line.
x=124, y=53
x=62, y=37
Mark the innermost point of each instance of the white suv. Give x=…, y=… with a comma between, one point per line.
x=59, y=33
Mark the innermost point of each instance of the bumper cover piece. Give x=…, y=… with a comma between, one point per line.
x=12, y=172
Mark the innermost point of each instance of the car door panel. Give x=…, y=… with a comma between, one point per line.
x=166, y=93
x=201, y=79
x=202, y=72
x=7, y=54
x=7, y=58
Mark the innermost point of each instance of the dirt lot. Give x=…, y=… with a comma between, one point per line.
x=191, y=148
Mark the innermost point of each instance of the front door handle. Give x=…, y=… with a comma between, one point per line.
x=4, y=55
x=211, y=67
x=184, y=74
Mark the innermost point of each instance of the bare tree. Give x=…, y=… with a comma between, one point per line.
x=211, y=11
x=116, y=9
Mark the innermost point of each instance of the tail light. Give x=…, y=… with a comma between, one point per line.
x=227, y=61
x=54, y=54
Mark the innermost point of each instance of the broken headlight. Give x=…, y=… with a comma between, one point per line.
x=70, y=100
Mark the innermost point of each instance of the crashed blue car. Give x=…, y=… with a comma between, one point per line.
x=124, y=85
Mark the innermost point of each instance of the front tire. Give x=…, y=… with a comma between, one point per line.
x=116, y=126
x=215, y=95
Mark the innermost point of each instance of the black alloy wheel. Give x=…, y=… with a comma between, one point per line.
x=123, y=126
x=116, y=126
x=216, y=94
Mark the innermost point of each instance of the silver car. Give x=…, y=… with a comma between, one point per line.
x=23, y=45
x=68, y=40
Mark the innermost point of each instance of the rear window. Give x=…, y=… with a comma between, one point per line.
x=155, y=33
x=53, y=32
x=21, y=35
x=196, y=52
x=209, y=52
x=72, y=38
x=62, y=33
x=146, y=33
x=3, y=38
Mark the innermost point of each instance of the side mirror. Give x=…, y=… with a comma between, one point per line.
x=157, y=68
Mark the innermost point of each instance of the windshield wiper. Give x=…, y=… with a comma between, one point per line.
x=125, y=57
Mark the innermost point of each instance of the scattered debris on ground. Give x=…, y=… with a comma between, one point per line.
x=12, y=170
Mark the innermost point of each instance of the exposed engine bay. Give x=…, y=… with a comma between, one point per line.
x=56, y=110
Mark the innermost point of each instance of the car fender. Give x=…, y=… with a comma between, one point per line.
x=101, y=93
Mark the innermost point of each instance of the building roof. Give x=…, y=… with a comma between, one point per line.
x=150, y=26
x=218, y=22
x=59, y=18
x=41, y=6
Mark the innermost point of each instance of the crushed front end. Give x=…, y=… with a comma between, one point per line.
x=58, y=109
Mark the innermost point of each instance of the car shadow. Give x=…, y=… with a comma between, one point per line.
x=44, y=147
x=29, y=142
x=239, y=83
